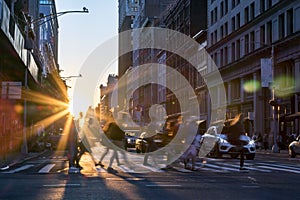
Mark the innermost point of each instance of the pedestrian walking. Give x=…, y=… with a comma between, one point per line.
x=266, y=141
x=116, y=136
x=150, y=132
x=72, y=145
x=259, y=141
x=235, y=131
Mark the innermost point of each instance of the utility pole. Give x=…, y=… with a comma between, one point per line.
x=274, y=103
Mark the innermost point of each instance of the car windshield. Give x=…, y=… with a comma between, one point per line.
x=132, y=134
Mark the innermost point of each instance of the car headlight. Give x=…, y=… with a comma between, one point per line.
x=252, y=142
x=223, y=140
x=128, y=140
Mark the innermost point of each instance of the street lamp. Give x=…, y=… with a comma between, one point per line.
x=69, y=77
x=39, y=21
x=56, y=15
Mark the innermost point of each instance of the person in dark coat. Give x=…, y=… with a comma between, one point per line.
x=117, y=136
x=72, y=144
x=234, y=130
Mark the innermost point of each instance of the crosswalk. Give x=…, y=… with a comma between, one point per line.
x=214, y=166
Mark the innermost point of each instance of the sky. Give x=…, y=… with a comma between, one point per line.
x=81, y=33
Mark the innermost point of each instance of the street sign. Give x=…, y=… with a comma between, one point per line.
x=266, y=71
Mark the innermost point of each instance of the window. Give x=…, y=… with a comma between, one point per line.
x=252, y=41
x=246, y=44
x=216, y=14
x=215, y=36
x=252, y=11
x=226, y=6
x=269, y=4
x=246, y=15
x=233, y=24
x=290, y=22
x=262, y=6
x=222, y=58
x=222, y=9
x=216, y=59
x=212, y=17
x=226, y=28
x=233, y=52
x=281, y=26
x=212, y=38
x=262, y=35
x=222, y=32
x=269, y=33
x=225, y=56
x=232, y=4
x=238, y=49
x=238, y=20
x=45, y=2
x=235, y=89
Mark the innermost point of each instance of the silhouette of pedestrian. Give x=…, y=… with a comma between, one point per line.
x=72, y=144
x=235, y=130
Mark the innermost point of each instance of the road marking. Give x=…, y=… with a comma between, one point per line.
x=281, y=166
x=151, y=168
x=280, y=169
x=247, y=166
x=163, y=185
x=63, y=185
x=182, y=170
x=250, y=186
x=221, y=167
x=135, y=179
x=47, y=168
x=19, y=169
x=126, y=169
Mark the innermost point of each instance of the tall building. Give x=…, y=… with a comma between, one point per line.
x=149, y=15
x=128, y=9
x=28, y=56
x=188, y=17
x=105, y=97
x=240, y=35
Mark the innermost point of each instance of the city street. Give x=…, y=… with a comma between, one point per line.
x=269, y=176
x=137, y=99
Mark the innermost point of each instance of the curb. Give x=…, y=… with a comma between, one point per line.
x=22, y=159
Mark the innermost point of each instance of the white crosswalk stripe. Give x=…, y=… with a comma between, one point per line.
x=19, y=169
x=47, y=168
x=229, y=166
x=247, y=166
x=280, y=169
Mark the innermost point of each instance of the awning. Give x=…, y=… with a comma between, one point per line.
x=293, y=116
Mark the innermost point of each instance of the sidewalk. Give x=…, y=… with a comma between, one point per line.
x=16, y=158
x=284, y=152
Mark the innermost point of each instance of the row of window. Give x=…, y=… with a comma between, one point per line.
x=249, y=11
x=243, y=46
x=285, y=28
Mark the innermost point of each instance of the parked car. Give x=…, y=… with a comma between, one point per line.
x=130, y=138
x=141, y=144
x=294, y=147
x=223, y=147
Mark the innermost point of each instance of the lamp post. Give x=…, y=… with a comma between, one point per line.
x=274, y=103
x=38, y=21
x=69, y=77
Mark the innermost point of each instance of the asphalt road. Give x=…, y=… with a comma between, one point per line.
x=269, y=176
